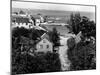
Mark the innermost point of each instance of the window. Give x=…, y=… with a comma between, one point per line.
x=41, y=47
x=47, y=46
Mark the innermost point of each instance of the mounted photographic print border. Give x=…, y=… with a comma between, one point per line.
x=52, y=37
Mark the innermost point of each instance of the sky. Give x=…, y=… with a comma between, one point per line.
x=47, y=6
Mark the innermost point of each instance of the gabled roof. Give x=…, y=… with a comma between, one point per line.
x=20, y=19
x=78, y=37
x=39, y=28
x=44, y=36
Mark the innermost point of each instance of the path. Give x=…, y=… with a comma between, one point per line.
x=65, y=63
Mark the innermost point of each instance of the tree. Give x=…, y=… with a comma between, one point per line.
x=54, y=36
x=21, y=12
x=39, y=14
x=46, y=62
x=17, y=32
x=82, y=23
x=15, y=13
x=33, y=19
x=82, y=56
x=88, y=27
x=74, y=22
x=45, y=18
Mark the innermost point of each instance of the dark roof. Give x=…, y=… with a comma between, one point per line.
x=45, y=35
x=20, y=19
x=25, y=40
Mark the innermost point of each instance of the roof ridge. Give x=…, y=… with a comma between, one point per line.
x=43, y=35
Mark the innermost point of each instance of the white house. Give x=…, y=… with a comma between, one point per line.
x=22, y=21
x=44, y=45
x=37, y=19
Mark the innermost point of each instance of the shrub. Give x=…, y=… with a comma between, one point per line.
x=82, y=56
x=25, y=63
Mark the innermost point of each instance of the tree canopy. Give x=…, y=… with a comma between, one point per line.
x=21, y=12
x=82, y=23
x=54, y=36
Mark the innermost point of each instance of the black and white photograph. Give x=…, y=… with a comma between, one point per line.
x=52, y=37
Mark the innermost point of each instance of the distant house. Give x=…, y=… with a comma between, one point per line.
x=44, y=45
x=26, y=20
x=38, y=19
x=21, y=21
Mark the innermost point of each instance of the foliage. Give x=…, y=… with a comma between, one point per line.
x=33, y=19
x=45, y=18
x=54, y=36
x=25, y=63
x=21, y=12
x=29, y=33
x=71, y=43
x=82, y=56
x=81, y=23
x=87, y=27
x=74, y=22
x=16, y=32
x=15, y=13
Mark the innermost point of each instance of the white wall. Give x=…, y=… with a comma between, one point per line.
x=44, y=49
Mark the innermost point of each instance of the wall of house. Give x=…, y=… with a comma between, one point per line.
x=29, y=25
x=37, y=22
x=44, y=46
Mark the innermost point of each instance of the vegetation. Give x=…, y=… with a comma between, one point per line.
x=22, y=62
x=25, y=63
x=21, y=12
x=29, y=33
x=54, y=36
x=83, y=54
x=81, y=23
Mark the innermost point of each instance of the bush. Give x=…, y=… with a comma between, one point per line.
x=82, y=56
x=25, y=63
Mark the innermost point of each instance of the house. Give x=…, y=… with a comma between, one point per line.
x=78, y=37
x=38, y=19
x=26, y=20
x=21, y=21
x=44, y=45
